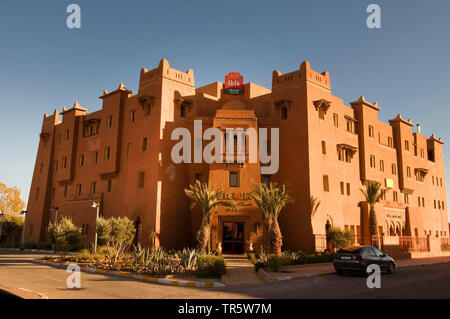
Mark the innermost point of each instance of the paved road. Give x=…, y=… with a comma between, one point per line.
x=18, y=273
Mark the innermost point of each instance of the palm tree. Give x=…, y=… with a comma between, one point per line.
x=208, y=200
x=271, y=199
x=373, y=194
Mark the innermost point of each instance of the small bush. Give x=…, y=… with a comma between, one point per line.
x=276, y=263
x=260, y=264
x=293, y=257
x=210, y=266
x=63, y=234
x=318, y=258
x=340, y=238
x=251, y=256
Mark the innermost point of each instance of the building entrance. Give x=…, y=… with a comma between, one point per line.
x=233, y=237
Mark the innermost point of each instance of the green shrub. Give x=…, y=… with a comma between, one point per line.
x=260, y=264
x=63, y=234
x=318, y=258
x=251, y=256
x=210, y=266
x=117, y=233
x=44, y=246
x=276, y=263
x=293, y=257
x=340, y=238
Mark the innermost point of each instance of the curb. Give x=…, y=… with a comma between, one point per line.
x=125, y=274
x=37, y=250
x=263, y=274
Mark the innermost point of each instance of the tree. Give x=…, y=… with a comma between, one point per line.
x=340, y=238
x=118, y=233
x=10, y=201
x=208, y=200
x=63, y=234
x=271, y=199
x=12, y=224
x=373, y=194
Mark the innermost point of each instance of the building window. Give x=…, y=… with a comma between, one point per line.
x=41, y=168
x=342, y=188
x=394, y=169
x=265, y=179
x=284, y=113
x=348, y=189
x=419, y=201
x=36, y=195
x=53, y=192
x=66, y=135
x=81, y=160
x=408, y=171
x=349, y=126
x=64, y=162
x=144, y=144
x=56, y=165
x=93, y=187
x=109, y=121
x=183, y=110
x=65, y=190
x=326, y=186
x=422, y=153
x=434, y=202
x=395, y=196
x=372, y=161
x=371, y=132
x=406, y=196
x=107, y=153
x=345, y=155
x=441, y=181
x=109, y=186
x=132, y=116
x=336, y=120
x=406, y=145
x=443, y=205
x=324, y=147
x=234, y=179
x=321, y=113
x=58, y=139
x=95, y=157
x=390, y=142
x=78, y=189
x=423, y=201
x=141, y=178
x=381, y=165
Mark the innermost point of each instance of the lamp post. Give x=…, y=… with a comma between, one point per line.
x=2, y=215
x=24, y=213
x=55, y=209
x=96, y=205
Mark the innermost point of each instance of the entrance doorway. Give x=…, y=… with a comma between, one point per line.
x=233, y=237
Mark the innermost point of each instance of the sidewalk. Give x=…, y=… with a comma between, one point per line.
x=240, y=271
x=304, y=271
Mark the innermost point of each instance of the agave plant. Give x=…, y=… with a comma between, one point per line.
x=188, y=258
x=141, y=256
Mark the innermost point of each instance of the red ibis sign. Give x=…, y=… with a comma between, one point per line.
x=234, y=83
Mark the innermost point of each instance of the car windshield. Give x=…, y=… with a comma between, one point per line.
x=350, y=250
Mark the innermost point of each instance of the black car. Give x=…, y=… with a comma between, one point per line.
x=357, y=258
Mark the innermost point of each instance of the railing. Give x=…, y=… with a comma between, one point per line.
x=320, y=242
x=408, y=243
x=445, y=244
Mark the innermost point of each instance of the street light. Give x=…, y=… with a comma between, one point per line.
x=2, y=215
x=96, y=205
x=55, y=209
x=24, y=213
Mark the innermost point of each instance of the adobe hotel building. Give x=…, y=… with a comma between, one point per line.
x=120, y=156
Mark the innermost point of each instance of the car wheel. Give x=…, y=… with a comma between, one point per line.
x=391, y=268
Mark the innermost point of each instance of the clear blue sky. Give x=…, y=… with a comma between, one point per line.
x=44, y=65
